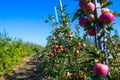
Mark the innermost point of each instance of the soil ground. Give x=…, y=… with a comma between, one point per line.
x=29, y=70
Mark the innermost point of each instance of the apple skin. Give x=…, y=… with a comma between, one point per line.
x=77, y=52
x=60, y=47
x=91, y=18
x=74, y=75
x=106, y=18
x=64, y=48
x=83, y=45
x=89, y=7
x=79, y=44
x=83, y=21
x=81, y=4
x=70, y=36
x=101, y=69
x=52, y=54
x=91, y=32
x=55, y=47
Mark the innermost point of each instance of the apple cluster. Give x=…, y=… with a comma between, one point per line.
x=88, y=20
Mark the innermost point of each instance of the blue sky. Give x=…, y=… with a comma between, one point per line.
x=25, y=18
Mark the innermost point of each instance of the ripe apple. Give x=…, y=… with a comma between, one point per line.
x=77, y=52
x=79, y=44
x=106, y=18
x=89, y=7
x=92, y=31
x=52, y=54
x=91, y=18
x=101, y=69
x=64, y=48
x=70, y=36
x=81, y=4
x=83, y=45
x=55, y=47
x=60, y=47
x=58, y=50
x=74, y=75
x=83, y=21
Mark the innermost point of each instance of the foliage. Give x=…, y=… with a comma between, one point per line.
x=67, y=56
x=12, y=52
x=110, y=55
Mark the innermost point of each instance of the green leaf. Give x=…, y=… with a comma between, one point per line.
x=95, y=78
x=115, y=36
x=110, y=27
x=107, y=4
x=88, y=78
x=46, y=21
x=77, y=14
x=116, y=14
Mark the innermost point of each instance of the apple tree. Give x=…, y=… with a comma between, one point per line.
x=97, y=21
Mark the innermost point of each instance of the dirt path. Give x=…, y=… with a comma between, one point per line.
x=29, y=70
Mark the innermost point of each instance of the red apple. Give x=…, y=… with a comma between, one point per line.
x=81, y=4
x=92, y=31
x=101, y=69
x=60, y=46
x=106, y=18
x=70, y=36
x=83, y=45
x=79, y=44
x=74, y=75
x=52, y=54
x=89, y=7
x=77, y=52
x=91, y=18
x=82, y=21
x=58, y=50
x=64, y=48
x=55, y=46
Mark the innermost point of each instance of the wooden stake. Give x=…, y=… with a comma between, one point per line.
x=60, y=3
x=56, y=14
x=101, y=43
